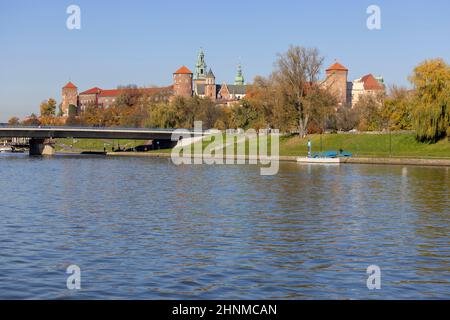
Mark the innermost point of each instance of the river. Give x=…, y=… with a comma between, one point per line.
x=142, y=228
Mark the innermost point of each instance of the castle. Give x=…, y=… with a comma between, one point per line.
x=185, y=84
x=203, y=84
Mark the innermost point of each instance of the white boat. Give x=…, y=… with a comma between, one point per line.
x=5, y=149
x=319, y=160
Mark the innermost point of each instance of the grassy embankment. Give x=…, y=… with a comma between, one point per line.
x=360, y=145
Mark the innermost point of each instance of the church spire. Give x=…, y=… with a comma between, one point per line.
x=239, y=80
x=200, y=68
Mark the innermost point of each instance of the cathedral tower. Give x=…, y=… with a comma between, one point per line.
x=200, y=71
x=210, y=86
x=239, y=80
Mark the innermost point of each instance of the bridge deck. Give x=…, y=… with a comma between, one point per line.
x=92, y=133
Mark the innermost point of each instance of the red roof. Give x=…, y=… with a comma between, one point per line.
x=116, y=92
x=337, y=67
x=69, y=85
x=183, y=70
x=156, y=90
x=371, y=83
x=110, y=93
x=92, y=91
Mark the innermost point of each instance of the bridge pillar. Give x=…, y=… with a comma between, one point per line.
x=39, y=147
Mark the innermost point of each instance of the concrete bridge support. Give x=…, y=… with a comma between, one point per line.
x=163, y=144
x=41, y=147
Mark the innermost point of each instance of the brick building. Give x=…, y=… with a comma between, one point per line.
x=348, y=93
x=69, y=97
x=182, y=82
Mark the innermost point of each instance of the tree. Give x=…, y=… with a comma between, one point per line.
x=14, y=121
x=368, y=108
x=60, y=110
x=32, y=120
x=396, y=111
x=92, y=115
x=161, y=116
x=72, y=110
x=322, y=105
x=431, y=102
x=346, y=119
x=266, y=100
x=48, y=108
x=244, y=116
x=297, y=72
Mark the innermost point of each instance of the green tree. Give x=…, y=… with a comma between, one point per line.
x=72, y=110
x=161, y=116
x=431, y=103
x=397, y=109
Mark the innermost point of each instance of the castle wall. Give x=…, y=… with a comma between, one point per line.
x=69, y=97
x=183, y=85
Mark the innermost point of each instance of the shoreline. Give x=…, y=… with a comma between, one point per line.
x=355, y=160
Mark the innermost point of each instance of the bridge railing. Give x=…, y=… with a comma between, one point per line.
x=7, y=126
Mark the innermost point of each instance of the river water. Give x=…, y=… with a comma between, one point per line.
x=142, y=228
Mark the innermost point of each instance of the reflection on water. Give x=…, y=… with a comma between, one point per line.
x=143, y=228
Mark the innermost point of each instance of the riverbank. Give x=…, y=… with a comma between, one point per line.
x=353, y=160
x=395, y=145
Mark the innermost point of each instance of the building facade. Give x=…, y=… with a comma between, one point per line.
x=69, y=98
x=367, y=85
x=205, y=84
x=185, y=83
x=348, y=93
x=182, y=82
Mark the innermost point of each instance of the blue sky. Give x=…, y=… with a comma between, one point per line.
x=143, y=42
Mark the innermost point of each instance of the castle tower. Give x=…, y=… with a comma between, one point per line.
x=182, y=82
x=200, y=71
x=239, y=80
x=336, y=82
x=210, y=86
x=69, y=97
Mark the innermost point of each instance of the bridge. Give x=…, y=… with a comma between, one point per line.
x=40, y=137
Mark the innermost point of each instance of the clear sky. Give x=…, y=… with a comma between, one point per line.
x=143, y=42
